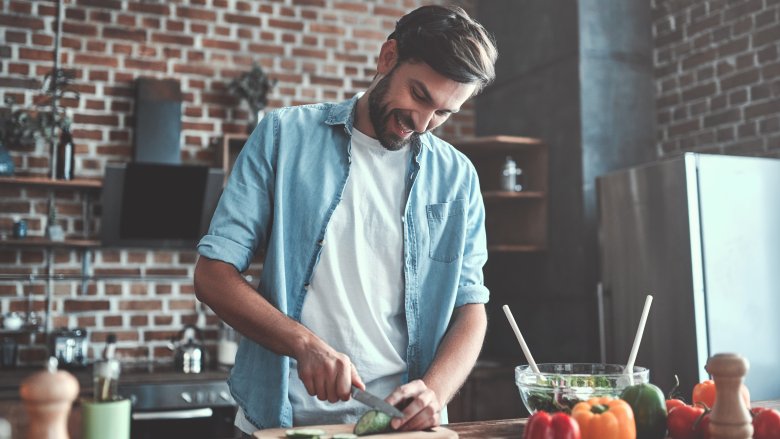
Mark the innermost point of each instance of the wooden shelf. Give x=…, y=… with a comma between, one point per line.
x=36, y=241
x=515, y=248
x=496, y=145
x=48, y=183
x=505, y=195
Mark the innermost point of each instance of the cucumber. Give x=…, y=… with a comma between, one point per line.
x=344, y=436
x=372, y=422
x=305, y=433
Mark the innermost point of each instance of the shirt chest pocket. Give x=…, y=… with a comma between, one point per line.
x=447, y=229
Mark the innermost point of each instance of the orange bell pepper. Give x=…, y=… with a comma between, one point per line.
x=605, y=418
x=705, y=393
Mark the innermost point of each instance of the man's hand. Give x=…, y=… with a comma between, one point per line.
x=420, y=404
x=327, y=374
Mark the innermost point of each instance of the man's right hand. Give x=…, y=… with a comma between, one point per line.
x=326, y=373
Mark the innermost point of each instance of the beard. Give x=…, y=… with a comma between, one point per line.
x=381, y=115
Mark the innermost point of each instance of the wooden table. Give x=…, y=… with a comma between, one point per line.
x=513, y=428
x=501, y=429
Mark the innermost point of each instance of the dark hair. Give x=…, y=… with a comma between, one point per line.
x=449, y=41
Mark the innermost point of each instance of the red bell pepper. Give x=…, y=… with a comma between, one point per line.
x=541, y=425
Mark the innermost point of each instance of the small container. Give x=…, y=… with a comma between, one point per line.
x=227, y=345
x=105, y=379
x=9, y=353
x=510, y=176
x=20, y=229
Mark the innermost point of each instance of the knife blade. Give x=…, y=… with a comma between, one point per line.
x=376, y=403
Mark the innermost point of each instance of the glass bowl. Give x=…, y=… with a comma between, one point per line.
x=562, y=385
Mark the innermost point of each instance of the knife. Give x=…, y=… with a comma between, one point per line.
x=376, y=402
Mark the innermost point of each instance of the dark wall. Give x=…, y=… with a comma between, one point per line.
x=579, y=78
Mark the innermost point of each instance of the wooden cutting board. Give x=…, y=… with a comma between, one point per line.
x=436, y=433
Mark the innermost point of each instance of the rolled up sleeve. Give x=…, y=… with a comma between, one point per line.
x=471, y=285
x=241, y=221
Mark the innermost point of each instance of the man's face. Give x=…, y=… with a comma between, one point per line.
x=411, y=99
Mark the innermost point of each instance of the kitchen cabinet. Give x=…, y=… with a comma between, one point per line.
x=488, y=394
x=516, y=221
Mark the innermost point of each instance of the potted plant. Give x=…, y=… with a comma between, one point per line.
x=253, y=86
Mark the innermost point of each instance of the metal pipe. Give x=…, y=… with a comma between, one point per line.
x=53, y=88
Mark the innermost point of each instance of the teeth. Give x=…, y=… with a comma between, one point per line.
x=404, y=128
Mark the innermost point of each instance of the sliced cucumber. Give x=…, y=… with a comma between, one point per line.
x=372, y=422
x=305, y=433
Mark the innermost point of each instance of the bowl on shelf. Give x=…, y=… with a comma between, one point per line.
x=560, y=386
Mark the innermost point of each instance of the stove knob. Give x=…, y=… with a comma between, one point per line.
x=186, y=396
x=200, y=397
x=224, y=395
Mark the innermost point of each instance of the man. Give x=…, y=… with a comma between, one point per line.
x=374, y=241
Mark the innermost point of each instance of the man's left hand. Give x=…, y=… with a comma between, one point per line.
x=421, y=407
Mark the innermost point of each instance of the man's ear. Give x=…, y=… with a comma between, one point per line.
x=388, y=57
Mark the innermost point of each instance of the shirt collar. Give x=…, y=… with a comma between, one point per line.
x=343, y=113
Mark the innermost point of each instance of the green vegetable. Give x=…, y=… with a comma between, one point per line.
x=372, y=422
x=305, y=433
x=649, y=406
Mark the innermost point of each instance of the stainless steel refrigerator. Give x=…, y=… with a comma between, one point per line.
x=701, y=233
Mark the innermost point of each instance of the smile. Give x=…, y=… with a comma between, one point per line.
x=405, y=130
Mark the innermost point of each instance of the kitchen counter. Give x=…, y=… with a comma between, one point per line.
x=132, y=373
x=513, y=428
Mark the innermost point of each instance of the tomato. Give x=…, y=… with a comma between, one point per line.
x=766, y=424
x=705, y=393
x=682, y=422
x=558, y=426
x=674, y=403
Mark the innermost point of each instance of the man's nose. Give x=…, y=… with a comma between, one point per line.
x=422, y=120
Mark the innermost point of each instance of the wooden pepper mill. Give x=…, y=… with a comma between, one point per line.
x=48, y=396
x=730, y=419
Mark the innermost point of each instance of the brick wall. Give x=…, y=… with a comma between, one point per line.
x=718, y=76
x=319, y=50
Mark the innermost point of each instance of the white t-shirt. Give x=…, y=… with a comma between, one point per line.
x=355, y=301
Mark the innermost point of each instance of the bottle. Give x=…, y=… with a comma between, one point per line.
x=509, y=176
x=65, y=153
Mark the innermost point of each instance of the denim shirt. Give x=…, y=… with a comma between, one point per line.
x=280, y=195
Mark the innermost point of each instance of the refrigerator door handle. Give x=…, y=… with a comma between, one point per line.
x=602, y=323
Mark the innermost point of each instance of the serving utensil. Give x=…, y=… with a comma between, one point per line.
x=521, y=340
x=638, y=339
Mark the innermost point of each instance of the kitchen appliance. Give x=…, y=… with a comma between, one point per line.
x=70, y=347
x=189, y=355
x=158, y=206
x=702, y=234
x=177, y=405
